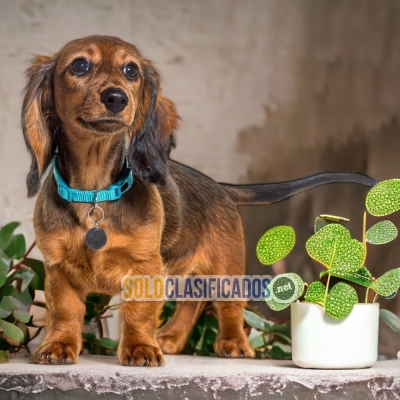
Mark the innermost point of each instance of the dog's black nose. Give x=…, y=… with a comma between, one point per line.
x=114, y=99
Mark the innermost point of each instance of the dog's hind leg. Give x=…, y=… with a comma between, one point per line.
x=173, y=335
x=232, y=340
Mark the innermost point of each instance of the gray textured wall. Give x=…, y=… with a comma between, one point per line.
x=267, y=90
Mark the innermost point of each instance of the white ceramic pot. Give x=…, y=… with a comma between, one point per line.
x=320, y=341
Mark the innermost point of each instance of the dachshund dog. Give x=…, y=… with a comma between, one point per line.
x=97, y=103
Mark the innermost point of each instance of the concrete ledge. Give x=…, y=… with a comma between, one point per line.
x=186, y=377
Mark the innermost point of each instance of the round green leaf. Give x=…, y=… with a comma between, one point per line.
x=340, y=300
x=334, y=248
x=3, y=272
x=275, y=244
x=11, y=331
x=391, y=319
x=283, y=290
x=4, y=313
x=6, y=232
x=16, y=247
x=316, y=293
x=388, y=283
x=381, y=233
x=384, y=198
x=22, y=316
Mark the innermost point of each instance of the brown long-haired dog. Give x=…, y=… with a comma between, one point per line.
x=95, y=102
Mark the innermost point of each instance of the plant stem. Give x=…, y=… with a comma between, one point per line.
x=364, y=237
x=21, y=263
x=327, y=287
x=366, y=295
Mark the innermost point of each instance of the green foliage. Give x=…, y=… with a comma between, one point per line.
x=283, y=290
x=275, y=244
x=96, y=306
x=340, y=300
x=334, y=248
x=269, y=339
x=256, y=321
x=16, y=289
x=388, y=283
x=102, y=346
x=316, y=293
x=384, y=198
x=391, y=319
x=381, y=233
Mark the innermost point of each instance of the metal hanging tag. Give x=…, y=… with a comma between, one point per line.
x=96, y=238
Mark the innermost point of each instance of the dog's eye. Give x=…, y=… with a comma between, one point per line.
x=131, y=70
x=80, y=67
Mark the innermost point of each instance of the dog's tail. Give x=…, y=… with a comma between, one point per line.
x=273, y=192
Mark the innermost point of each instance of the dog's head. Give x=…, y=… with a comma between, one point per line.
x=96, y=87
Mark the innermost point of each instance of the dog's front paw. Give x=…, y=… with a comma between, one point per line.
x=141, y=354
x=234, y=347
x=56, y=353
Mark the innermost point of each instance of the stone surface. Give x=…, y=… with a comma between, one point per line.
x=187, y=377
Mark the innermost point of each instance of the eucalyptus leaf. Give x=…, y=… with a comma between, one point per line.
x=391, y=319
x=388, y=283
x=334, y=248
x=37, y=266
x=283, y=290
x=275, y=244
x=6, y=232
x=381, y=233
x=256, y=339
x=11, y=331
x=11, y=303
x=315, y=293
x=16, y=247
x=24, y=296
x=256, y=321
x=22, y=316
x=340, y=300
x=384, y=198
x=108, y=343
x=26, y=275
x=3, y=272
x=4, y=313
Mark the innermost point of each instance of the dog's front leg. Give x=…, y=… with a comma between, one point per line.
x=138, y=344
x=66, y=310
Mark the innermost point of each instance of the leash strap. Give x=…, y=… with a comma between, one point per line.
x=113, y=192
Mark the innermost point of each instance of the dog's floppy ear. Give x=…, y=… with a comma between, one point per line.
x=153, y=132
x=39, y=118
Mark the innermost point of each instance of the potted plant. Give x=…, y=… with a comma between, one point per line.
x=335, y=320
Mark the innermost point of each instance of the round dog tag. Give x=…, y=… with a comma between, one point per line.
x=96, y=238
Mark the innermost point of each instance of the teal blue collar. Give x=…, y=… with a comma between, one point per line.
x=113, y=192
